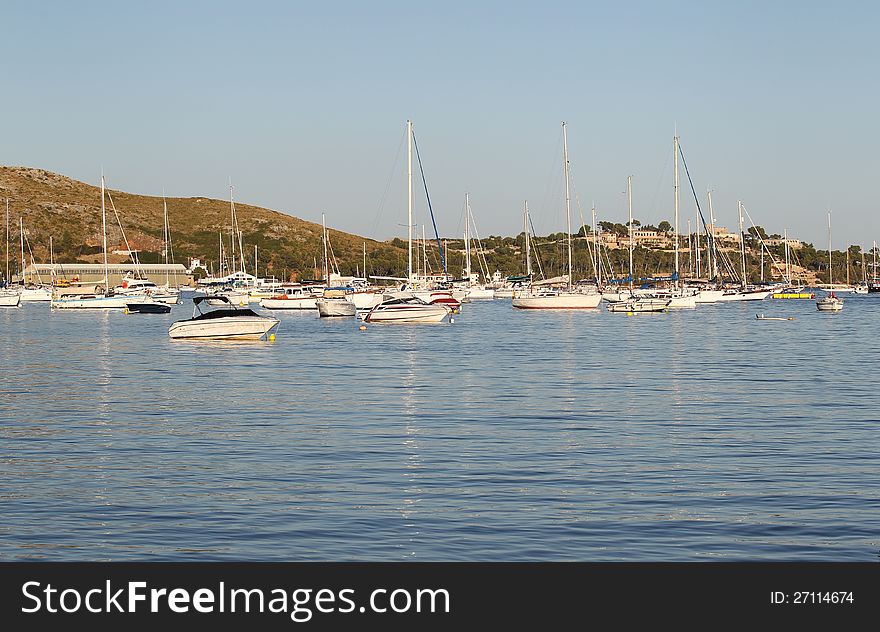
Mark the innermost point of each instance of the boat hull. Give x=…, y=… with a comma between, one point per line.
x=10, y=300
x=94, y=302
x=745, y=296
x=829, y=304
x=563, y=300
x=709, y=296
x=306, y=302
x=36, y=295
x=407, y=314
x=641, y=305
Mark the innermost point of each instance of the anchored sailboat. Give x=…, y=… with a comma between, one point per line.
x=830, y=303
x=537, y=297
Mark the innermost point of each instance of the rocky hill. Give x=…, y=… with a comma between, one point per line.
x=69, y=211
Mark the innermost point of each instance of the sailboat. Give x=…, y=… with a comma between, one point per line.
x=636, y=303
x=537, y=297
x=333, y=302
x=28, y=292
x=8, y=298
x=862, y=286
x=96, y=297
x=874, y=283
x=474, y=290
x=746, y=292
x=405, y=307
x=830, y=303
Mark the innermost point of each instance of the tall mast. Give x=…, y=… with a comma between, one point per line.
x=847, y=265
x=711, y=247
x=467, y=237
x=697, y=249
x=165, y=211
x=21, y=236
x=220, y=263
x=675, y=185
x=104, y=229
x=234, y=229
x=527, y=240
x=409, y=197
x=787, y=258
x=598, y=264
x=830, y=281
x=255, y=265
x=6, y=278
x=690, y=239
x=365, y=260
x=629, y=201
x=567, y=198
x=742, y=242
x=424, y=253
x=52, y=259
x=324, y=238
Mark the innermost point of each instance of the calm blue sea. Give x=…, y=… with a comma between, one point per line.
x=507, y=435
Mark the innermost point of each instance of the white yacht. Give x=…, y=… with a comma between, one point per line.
x=335, y=302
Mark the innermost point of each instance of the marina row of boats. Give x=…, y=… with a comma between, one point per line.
x=415, y=298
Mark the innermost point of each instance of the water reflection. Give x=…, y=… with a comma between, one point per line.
x=507, y=435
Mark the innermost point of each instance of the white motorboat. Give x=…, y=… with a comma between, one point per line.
x=640, y=304
x=132, y=286
x=406, y=309
x=229, y=323
x=861, y=288
x=291, y=297
x=335, y=302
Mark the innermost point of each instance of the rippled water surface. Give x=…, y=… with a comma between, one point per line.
x=508, y=435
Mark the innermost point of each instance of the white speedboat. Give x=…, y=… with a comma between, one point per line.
x=406, y=309
x=334, y=302
x=861, y=288
x=229, y=323
x=555, y=299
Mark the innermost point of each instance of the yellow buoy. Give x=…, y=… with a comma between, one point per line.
x=363, y=327
x=271, y=337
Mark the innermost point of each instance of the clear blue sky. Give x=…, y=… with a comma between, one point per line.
x=303, y=105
